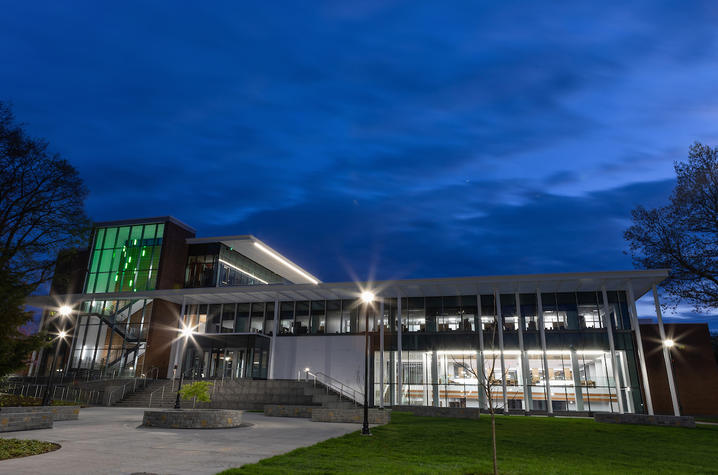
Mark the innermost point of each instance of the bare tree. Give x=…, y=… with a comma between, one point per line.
x=41, y=213
x=487, y=381
x=683, y=236
x=41, y=204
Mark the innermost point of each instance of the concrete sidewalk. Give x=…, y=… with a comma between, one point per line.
x=109, y=440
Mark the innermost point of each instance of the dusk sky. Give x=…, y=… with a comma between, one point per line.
x=385, y=138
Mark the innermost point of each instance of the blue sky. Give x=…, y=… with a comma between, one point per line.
x=399, y=139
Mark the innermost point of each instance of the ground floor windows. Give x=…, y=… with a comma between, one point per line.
x=111, y=337
x=572, y=380
x=226, y=357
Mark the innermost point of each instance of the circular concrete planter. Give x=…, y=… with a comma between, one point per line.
x=193, y=418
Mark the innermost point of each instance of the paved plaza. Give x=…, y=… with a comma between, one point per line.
x=109, y=440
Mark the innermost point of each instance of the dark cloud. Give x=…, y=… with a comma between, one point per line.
x=411, y=138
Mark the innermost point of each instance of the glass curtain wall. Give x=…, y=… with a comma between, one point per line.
x=111, y=336
x=578, y=380
x=125, y=258
x=578, y=372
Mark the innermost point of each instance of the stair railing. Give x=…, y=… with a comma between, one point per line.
x=162, y=396
x=333, y=384
x=59, y=391
x=155, y=370
x=143, y=383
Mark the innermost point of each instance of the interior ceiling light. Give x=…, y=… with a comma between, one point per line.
x=243, y=271
x=286, y=263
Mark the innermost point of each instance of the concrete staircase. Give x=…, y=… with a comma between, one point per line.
x=277, y=398
x=231, y=394
x=320, y=398
x=159, y=393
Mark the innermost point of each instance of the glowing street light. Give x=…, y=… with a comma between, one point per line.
x=46, y=397
x=65, y=311
x=367, y=297
x=669, y=343
x=185, y=333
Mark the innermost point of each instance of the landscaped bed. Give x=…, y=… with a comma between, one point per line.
x=13, y=400
x=14, y=448
x=411, y=444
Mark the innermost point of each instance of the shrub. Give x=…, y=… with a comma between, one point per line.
x=198, y=391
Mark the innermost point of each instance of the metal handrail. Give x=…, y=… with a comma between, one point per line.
x=124, y=386
x=154, y=369
x=335, y=385
x=66, y=393
x=162, y=397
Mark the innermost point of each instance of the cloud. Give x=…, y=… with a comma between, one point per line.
x=418, y=138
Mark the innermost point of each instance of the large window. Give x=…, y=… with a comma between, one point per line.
x=110, y=336
x=125, y=258
x=578, y=380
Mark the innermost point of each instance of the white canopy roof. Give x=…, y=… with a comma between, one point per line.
x=640, y=280
x=262, y=254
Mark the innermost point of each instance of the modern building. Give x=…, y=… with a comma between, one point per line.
x=544, y=342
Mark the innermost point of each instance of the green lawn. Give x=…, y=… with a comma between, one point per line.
x=525, y=445
x=13, y=448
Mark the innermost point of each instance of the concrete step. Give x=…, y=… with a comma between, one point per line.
x=375, y=416
x=324, y=397
x=344, y=404
x=281, y=410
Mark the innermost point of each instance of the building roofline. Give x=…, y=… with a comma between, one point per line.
x=158, y=219
x=642, y=281
x=269, y=258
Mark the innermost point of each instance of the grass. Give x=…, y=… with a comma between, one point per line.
x=711, y=419
x=13, y=400
x=14, y=448
x=411, y=444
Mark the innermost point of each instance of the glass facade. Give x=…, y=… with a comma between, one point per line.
x=125, y=258
x=218, y=265
x=441, y=358
x=442, y=364
x=227, y=357
x=578, y=380
x=111, y=336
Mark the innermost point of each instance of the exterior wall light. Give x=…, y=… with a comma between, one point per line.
x=367, y=297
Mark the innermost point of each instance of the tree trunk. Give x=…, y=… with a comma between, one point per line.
x=493, y=443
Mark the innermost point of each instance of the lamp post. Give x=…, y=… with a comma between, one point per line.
x=367, y=297
x=185, y=332
x=670, y=344
x=64, y=311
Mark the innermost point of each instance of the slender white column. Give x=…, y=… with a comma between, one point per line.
x=400, y=370
x=666, y=354
x=577, y=388
x=522, y=356
x=381, y=354
x=497, y=300
x=612, y=346
x=434, y=378
x=480, y=357
x=542, y=334
x=275, y=335
x=639, y=347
